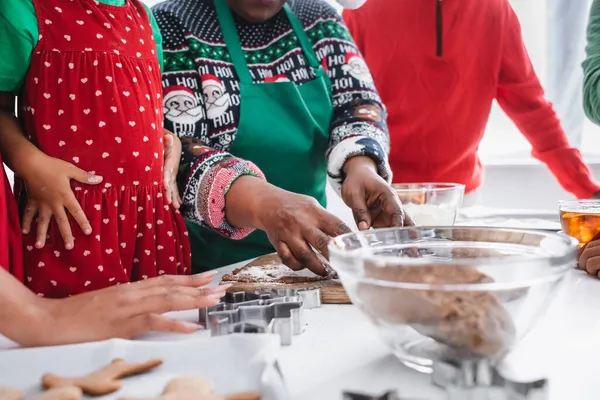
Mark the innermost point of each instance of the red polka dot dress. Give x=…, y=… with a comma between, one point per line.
x=92, y=97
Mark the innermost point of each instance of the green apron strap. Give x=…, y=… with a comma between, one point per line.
x=232, y=40
x=309, y=53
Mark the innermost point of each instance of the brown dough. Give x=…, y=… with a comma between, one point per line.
x=62, y=393
x=471, y=322
x=332, y=291
x=7, y=393
x=104, y=381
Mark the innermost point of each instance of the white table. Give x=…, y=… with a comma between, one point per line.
x=341, y=351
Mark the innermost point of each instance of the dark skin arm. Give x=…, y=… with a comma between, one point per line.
x=293, y=222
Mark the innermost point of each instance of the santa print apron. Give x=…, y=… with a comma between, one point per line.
x=92, y=97
x=284, y=129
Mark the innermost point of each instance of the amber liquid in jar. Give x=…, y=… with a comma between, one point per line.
x=582, y=226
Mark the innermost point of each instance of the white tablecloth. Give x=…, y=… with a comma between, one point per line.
x=341, y=351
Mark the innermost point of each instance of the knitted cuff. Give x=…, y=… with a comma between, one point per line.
x=354, y=146
x=210, y=202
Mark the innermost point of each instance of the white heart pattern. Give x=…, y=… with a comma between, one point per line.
x=89, y=142
x=47, y=127
x=73, y=128
x=120, y=170
x=72, y=269
x=41, y=264
x=118, y=139
x=76, y=159
x=100, y=268
x=87, y=283
x=47, y=95
x=61, y=143
x=60, y=112
x=108, y=251
x=67, y=38
x=113, y=109
x=87, y=111
x=86, y=253
x=106, y=221
x=101, y=124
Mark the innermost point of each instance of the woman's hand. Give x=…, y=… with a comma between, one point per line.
x=293, y=222
x=48, y=182
x=372, y=200
x=122, y=311
x=589, y=258
x=172, y=159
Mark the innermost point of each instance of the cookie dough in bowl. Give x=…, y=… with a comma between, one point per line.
x=451, y=293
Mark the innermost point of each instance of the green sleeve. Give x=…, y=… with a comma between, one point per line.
x=157, y=37
x=18, y=38
x=591, y=66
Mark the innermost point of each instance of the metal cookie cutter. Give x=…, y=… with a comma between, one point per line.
x=271, y=311
x=478, y=380
x=357, y=396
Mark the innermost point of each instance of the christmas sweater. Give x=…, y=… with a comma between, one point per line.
x=202, y=102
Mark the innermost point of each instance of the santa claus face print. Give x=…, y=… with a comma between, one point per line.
x=217, y=101
x=357, y=67
x=182, y=108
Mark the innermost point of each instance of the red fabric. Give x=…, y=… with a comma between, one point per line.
x=439, y=106
x=93, y=98
x=11, y=256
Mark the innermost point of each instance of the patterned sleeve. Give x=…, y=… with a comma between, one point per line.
x=358, y=127
x=207, y=170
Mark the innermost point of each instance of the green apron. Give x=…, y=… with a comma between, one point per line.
x=283, y=129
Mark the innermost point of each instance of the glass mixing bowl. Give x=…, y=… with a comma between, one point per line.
x=433, y=204
x=452, y=294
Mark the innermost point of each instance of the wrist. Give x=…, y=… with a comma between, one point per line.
x=245, y=202
x=357, y=163
x=28, y=165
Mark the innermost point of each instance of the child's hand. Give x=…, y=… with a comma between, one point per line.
x=589, y=258
x=48, y=182
x=172, y=159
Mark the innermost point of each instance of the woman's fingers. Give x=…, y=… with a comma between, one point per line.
x=287, y=256
x=74, y=208
x=391, y=205
x=332, y=225
x=81, y=176
x=43, y=220
x=161, y=301
x=590, y=260
x=157, y=323
x=305, y=256
x=63, y=226
x=194, y=281
x=319, y=240
x=28, y=216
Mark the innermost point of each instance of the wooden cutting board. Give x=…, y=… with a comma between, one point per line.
x=268, y=272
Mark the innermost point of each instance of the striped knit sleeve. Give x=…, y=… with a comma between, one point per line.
x=207, y=170
x=358, y=126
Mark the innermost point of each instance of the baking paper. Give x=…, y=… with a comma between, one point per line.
x=234, y=363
